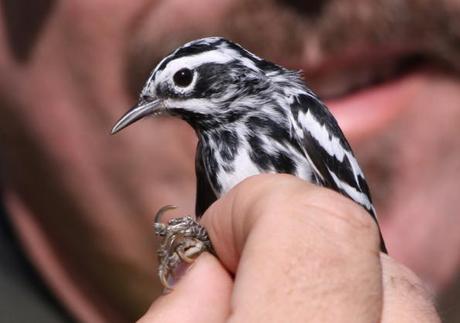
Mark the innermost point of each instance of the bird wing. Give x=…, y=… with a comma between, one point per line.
x=205, y=195
x=332, y=160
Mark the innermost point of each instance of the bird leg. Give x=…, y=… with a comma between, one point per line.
x=183, y=239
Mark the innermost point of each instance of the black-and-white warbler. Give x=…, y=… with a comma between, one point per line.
x=251, y=116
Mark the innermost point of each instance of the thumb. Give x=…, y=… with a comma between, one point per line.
x=202, y=294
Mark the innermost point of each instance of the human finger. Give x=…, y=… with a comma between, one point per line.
x=202, y=295
x=299, y=252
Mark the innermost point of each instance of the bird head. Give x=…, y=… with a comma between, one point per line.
x=206, y=82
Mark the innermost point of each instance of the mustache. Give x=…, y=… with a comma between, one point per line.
x=285, y=31
x=298, y=34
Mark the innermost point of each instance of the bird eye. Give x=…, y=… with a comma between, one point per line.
x=183, y=77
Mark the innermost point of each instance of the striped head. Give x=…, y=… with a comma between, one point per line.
x=205, y=82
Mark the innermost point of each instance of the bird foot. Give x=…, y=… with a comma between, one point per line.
x=183, y=240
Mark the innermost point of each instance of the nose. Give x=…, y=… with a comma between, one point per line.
x=305, y=7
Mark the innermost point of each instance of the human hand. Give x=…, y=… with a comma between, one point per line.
x=290, y=251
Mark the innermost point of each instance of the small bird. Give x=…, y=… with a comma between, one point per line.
x=251, y=116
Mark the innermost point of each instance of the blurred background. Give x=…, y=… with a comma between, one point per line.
x=76, y=240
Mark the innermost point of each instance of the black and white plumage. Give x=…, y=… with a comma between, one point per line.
x=251, y=116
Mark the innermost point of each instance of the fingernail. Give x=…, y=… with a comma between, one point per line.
x=177, y=274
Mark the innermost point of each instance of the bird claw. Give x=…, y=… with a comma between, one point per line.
x=183, y=240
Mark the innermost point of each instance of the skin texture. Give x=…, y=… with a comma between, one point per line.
x=321, y=252
x=82, y=201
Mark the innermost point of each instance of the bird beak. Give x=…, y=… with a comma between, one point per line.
x=137, y=112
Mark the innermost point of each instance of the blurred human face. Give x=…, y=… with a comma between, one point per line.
x=387, y=69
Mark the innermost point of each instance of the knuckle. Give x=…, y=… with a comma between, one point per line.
x=272, y=196
x=340, y=216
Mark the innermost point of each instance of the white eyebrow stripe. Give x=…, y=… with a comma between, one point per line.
x=194, y=61
x=218, y=56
